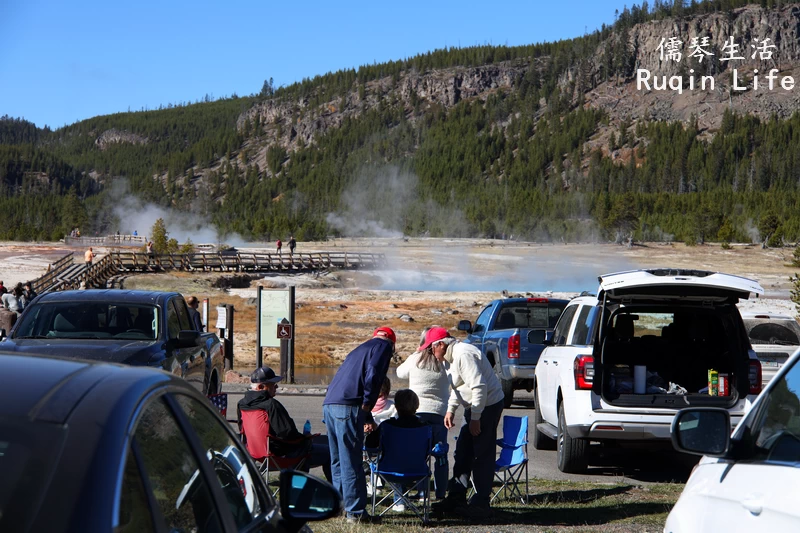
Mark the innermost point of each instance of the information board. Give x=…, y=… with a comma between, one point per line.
x=274, y=309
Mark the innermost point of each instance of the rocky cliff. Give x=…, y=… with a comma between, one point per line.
x=757, y=33
x=294, y=122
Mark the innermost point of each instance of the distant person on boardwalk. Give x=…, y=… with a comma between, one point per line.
x=347, y=408
x=292, y=244
x=88, y=256
x=427, y=377
x=278, y=246
x=135, y=233
x=194, y=314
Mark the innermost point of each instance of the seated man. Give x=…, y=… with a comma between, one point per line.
x=283, y=433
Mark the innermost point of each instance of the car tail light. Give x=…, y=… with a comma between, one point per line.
x=755, y=376
x=243, y=487
x=513, y=347
x=584, y=372
x=538, y=300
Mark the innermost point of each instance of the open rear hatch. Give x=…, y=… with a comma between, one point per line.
x=667, y=333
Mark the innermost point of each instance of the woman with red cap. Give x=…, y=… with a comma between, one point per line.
x=427, y=378
x=474, y=386
x=347, y=409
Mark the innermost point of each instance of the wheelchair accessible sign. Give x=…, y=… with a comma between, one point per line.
x=274, y=310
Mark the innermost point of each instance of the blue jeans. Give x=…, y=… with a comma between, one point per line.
x=345, y=427
x=439, y=434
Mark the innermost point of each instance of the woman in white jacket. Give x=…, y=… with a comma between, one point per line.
x=427, y=378
x=475, y=387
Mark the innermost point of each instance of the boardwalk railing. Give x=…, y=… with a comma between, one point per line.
x=56, y=271
x=108, y=240
x=245, y=262
x=66, y=274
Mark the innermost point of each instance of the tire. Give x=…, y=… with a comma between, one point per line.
x=508, y=391
x=572, y=453
x=540, y=440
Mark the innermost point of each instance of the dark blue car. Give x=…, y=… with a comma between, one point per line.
x=88, y=447
x=139, y=328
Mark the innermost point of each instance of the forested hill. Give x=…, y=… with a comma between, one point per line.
x=551, y=141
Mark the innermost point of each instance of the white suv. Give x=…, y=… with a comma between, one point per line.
x=620, y=365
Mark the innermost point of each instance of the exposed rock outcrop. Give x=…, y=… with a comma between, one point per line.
x=116, y=136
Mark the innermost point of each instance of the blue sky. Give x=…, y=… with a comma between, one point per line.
x=61, y=62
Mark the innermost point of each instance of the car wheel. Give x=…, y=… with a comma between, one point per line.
x=540, y=440
x=508, y=392
x=572, y=453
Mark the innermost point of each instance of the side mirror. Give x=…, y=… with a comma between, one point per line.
x=188, y=338
x=305, y=498
x=465, y=325
x=537, y=336
x=702, y=431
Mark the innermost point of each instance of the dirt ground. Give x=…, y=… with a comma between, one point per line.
x=428, y=281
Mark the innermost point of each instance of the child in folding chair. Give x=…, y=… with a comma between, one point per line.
x=384, y=408
x=406, y=402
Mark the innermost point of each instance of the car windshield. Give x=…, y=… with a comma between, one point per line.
x=88, y=320
x=782, y=331
x=28, y=454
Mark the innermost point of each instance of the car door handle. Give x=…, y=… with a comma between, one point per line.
x=753, y=504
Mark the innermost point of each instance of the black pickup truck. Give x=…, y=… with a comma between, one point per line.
x=141, y=328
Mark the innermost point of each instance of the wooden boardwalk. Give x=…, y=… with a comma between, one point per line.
x=66, y=274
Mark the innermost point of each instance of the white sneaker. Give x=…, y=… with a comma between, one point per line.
x=369, y=489
x=399, y=508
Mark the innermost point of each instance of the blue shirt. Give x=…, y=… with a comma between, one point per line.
x=358, y=381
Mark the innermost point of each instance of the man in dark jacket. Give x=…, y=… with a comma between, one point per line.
x=284, y=439
x=347, y=408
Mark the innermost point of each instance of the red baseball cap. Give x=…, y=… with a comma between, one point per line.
x=433, y=335
x=386, y=331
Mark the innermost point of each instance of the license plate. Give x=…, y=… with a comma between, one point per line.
x=769, y=362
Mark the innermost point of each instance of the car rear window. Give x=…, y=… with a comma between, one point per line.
x=28, y=455
x=772, y=331
x=529, y=315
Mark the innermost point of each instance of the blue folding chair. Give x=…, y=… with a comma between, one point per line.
x=513, y=460
x=404, y=466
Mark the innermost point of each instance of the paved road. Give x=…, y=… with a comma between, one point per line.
x=620, y=465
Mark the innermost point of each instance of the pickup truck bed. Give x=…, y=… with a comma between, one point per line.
x=503, y=332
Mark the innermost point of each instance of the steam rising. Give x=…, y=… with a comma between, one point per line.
x=473, y=265
x=135, y=214
x=384, y=202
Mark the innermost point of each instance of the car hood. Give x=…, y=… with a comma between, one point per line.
x=110, y=351
x=672, y=283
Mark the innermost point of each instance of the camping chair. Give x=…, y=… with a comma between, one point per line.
x=255, y=433
x=513, y=460
x=405, y=468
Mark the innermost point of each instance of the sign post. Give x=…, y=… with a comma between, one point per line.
x=275, y=310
